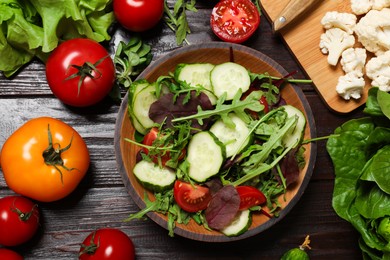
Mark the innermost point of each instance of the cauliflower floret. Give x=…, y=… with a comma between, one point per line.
x=333, y=42
x=344, y=21
x=380, y=4
x=378, y=70
x=363, y=6
x=373, y=31
x=350, y=85
x=354, y=59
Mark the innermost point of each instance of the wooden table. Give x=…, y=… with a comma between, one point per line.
x=101, y=200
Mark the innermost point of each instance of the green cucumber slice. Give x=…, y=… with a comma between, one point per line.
x=235, y=139
x=240, y=224
x=228, y=78
x=205, y=154
x=153, y=177
x=294, y=137
x=196, y=74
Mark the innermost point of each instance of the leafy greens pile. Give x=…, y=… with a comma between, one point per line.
x=360, y=151
x=33, y=28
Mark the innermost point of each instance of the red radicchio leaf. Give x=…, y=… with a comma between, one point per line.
x=290, y=168
x=223, y=207
x=167, y=108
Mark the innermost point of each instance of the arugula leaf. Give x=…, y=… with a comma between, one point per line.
x=222, y=110
x=161, y=204
x=177, y=19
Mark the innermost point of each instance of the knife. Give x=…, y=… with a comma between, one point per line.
x=291, y=11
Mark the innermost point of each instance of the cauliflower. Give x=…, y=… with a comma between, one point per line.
x=364, y=6
x=378, y=70
x=353, y=59
x=344, y=21
x=333, y=42
x=373, y=31
x=361, y=6
x=350, y=85
x=380, y=4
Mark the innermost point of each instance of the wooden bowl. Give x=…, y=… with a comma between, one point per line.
x=215, y=52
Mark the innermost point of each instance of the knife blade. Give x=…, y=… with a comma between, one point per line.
x=291, y=11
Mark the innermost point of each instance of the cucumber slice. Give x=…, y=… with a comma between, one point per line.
x=141, y=105
x=136, y=87
x=294, y=137
x=240, y=224
x=196, y=74
x=205, y=154
x=229, y=77
x=153, y=177
x=235, y=139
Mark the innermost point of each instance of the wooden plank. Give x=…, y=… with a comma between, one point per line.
x=302, y=37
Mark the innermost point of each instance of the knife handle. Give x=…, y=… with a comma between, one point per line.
x=292, y=10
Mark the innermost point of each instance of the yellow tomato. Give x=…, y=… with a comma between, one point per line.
x=45, y=159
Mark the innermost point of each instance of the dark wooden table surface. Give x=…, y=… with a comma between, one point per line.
x=101, y=199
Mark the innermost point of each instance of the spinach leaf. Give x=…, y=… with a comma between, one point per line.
x=371, y=202
x=379, y=170
x=347, y=151
x=384, y=102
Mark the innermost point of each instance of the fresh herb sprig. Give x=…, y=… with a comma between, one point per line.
x=177, y=18
x=130, y=60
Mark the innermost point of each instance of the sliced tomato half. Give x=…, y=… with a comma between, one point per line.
x=234, y=20
x=250, y=196
x=191, y=198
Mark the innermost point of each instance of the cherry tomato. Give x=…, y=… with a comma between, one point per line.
x=262, y=101
x=80, y=72
x=45, y=159
x=138, y=15
x=250, y=196
x=107, y=243
x=191, y=198
x=19, y=220
x=150, y=139
x=234, y=20
x=9, y=254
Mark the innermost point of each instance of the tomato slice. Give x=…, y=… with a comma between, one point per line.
x=148, y=140
x=191, y=198
x=262, y=101
x=151, y=139
x=250, y=196
x=234, y=20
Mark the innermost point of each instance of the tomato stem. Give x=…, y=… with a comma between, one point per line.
x=23, y=216
x=52, y=154
x=86, y=70
x=92, y=247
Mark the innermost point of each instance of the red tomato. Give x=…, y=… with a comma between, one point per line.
x=19, y=220
x=234, y=20
x=149, y=139
x=138, y=15
x=9, y=254
x=262, y=101
x=191, y=198
x=107, y=243
x=250, y=196
x=80, y=72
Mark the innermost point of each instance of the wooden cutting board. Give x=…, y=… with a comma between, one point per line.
x=302, y=37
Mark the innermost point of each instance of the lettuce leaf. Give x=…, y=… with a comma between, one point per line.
x=34, y=28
